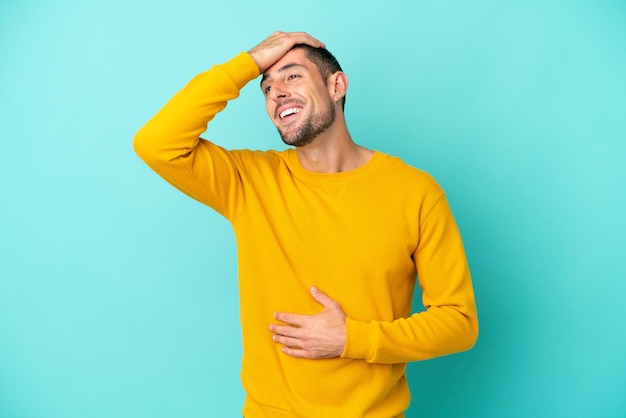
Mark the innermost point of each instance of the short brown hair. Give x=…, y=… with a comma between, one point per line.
x=325, y=62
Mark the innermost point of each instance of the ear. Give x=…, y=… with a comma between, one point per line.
x=338, y=85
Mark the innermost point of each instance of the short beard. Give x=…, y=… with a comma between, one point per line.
x=311, y=128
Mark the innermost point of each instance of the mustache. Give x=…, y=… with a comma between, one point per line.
x=288, y=102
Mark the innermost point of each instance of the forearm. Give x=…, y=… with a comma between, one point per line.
x=438, y=331
x=175, y=130
x=450, y=322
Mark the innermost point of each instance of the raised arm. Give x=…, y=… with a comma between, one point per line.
x=170, y=142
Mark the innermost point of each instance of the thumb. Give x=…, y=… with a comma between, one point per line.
x=321, y=297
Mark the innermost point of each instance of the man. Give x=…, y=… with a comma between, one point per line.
x=331, y=237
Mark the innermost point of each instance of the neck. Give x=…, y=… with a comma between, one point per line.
x=333, y=151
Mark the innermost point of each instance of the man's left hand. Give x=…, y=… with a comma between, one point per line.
x=312, y=336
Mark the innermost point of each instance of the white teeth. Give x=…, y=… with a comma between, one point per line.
x=289, y=111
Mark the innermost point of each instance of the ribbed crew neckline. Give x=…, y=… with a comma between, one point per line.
x=365, y=170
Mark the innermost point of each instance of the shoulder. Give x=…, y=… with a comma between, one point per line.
x=261, y=156
x=409, y=176
x=259, y=160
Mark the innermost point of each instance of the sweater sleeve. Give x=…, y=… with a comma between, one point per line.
x=450, y=322
x=170, y=142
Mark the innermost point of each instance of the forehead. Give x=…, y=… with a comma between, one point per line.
x=294, y=58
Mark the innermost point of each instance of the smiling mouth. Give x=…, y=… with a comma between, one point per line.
x=288, y=112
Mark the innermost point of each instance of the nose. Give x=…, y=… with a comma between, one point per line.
x=278, y=92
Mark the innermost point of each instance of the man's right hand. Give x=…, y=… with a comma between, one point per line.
x=278, y=44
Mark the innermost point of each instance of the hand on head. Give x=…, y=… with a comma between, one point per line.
x=278, y=44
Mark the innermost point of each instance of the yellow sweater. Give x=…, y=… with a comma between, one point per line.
x=361, y=236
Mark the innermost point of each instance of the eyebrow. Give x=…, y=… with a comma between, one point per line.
x=281, y=69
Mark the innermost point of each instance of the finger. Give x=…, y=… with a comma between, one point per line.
x=277, y=44
x=287, y=341
x=299, y=353
x=286, y=330
x=290, y=318
x=305, y=38
x=294, y=38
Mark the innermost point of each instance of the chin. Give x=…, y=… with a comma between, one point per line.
x=295, y=140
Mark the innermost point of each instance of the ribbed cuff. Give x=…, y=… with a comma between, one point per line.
x=359, y=340
x=241, y=69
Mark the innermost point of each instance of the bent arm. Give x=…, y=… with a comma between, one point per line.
x=450, y=322
x=170, y=142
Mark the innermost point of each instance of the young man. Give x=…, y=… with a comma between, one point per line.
x=331, y=238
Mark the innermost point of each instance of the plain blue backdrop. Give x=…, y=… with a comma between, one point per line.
x=118, y=295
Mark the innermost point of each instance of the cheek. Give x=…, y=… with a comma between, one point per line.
x=269, y=109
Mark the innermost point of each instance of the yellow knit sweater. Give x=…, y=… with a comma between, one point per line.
x=362, y=237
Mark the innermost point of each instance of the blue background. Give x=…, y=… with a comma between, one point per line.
x=118, y=295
